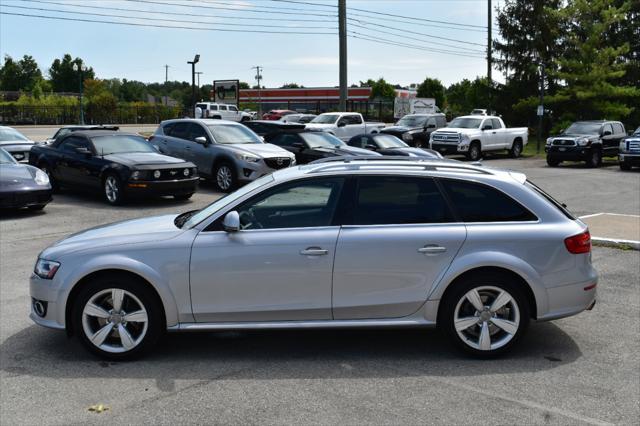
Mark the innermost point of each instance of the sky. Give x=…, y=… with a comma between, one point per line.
x=141, y=51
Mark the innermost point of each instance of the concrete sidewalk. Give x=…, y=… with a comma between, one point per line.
x=614, y=229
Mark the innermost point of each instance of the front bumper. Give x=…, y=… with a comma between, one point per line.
x=46, y=292
x=24, y=198
x=568, y=153
x=629, y=159
x=249, y=171
x=448, y=149
x=163, y=187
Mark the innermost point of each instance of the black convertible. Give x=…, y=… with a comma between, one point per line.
x=390, y=145
x=22, y=185
x=120, y=165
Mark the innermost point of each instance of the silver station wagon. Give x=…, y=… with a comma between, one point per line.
x=346, y=242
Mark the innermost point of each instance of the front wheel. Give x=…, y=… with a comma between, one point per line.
x=595, y=159
x=117, y=317
x=113, y=190
x=624, y=166
x=182, y=197
x=552, y=162
x=475, y=152
x=485, y=315
x=225, y=177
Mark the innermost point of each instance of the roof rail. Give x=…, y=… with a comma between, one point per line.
x=434, y=164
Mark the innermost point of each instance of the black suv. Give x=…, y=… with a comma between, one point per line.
x=415, y=129
x=586, y=141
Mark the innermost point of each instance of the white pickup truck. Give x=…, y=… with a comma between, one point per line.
x=473, y=135
x=343, y=125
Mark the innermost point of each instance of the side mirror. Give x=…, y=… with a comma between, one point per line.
x=201, y=140
x=299, y=145
x=341, y=124
x=231, y=222
x=370, y=146
x=431, y=126
x=606, y=133
x=84, y=151
x=487, y=127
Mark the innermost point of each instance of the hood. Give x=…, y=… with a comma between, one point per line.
x=408, y=151
x=17, y=176
x=8, y=145
x=345, y=150
x=457, y=130
x=143, y=158
x=576, y=136
x=264, y=150
x=156, y=228
x=400, y=129
x=319, y=126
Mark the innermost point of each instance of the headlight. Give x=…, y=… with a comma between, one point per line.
x=549, y=140
x=136, y=175
x=46, y=268
x=156, y=174
x=186, y=172
x=464, y=139
x=623, y=145
x=583, y=142
x=248, y=157
x=41, y=178
x=407, y=136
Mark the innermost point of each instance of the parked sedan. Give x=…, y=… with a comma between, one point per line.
x=267, y=127
x=22, y=185
x=64, y=130
x=309, y=146
x=298, y=118
x=390, y=145
x=121, y=165
x=276, y=114
x=15, y=143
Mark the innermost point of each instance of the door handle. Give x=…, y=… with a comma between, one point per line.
x=432, y=249
x=314, y=251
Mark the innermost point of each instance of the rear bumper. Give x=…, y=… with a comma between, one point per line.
x=27, y=198
x=163, y=187
x=568, y=300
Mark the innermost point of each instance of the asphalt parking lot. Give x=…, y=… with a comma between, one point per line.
x=583, y=369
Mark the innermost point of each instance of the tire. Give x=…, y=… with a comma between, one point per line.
x=595, y=159
x=475, y=152
x=54, y=184
x=113, y=190
x=624, y=166
x=552, y=162
x=516, y=149
x=467, y=327
x=100, y=329
x=182, y=197
x=36, y=207
x=225, y=177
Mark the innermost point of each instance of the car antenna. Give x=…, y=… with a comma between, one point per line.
x=102, y=152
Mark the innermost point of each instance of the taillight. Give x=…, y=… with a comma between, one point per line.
x=580, y=243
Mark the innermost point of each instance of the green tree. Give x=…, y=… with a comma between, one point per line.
x=10, y=74
x=64, y=78
x=21, y=75
x=594, y=65
x=291, y=86
x=244, y=85
x=432, y=88
x=380, y=89
x=466, y=95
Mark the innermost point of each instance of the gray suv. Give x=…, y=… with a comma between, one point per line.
x=348, y=242
x=225, y=151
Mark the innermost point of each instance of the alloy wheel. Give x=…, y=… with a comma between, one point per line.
x=224, y=177
x=111, y=189
x=115, y=320
x=486, y=318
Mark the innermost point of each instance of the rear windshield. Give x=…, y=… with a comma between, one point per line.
x=556, y=203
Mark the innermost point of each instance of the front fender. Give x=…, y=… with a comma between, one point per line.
x=503, y=260
x=122, y=263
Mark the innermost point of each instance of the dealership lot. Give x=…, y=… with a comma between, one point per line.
x=578, y=370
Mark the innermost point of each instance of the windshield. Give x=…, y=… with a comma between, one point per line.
x=231, y=134
x=637, y=132
x=319, y=140
x=9, y=134
x=412, y=121
x=584, y=129
x=120, y=144
x=326, y=119
x=465, y=123
x=389, y=141
x=223, y=201
x=6, y=158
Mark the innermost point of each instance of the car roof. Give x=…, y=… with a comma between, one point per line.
x=205, y=121
x=93, y=133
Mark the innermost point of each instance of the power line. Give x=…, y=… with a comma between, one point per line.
x=258, y=7
x=60, y=18
x=368, y=37
x=43, y=9
x=434, y=25
x=201, y=15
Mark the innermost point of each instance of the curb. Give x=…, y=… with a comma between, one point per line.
x=619, y=244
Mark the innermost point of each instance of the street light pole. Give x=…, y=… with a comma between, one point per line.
x=541, y=106
x=342, y=36
x=80, y=69
x=193, y=63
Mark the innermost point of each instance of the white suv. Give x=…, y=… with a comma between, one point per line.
x=221, y=111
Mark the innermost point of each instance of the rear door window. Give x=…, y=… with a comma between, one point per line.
x=475, y=202
x=391, y=200
x=180, y=130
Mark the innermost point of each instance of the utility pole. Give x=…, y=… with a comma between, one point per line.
x=258, y=69
x=342, y=35
x=490, y=81
x=166, y=80
x=193, y=63
x=198, y=74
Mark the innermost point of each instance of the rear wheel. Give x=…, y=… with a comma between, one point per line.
x=516, y=149
x=117, y=317
x=485, y=315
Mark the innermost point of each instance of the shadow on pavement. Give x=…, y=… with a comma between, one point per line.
x=274, y=355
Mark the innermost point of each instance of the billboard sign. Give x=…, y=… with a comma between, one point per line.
x=226, y=91
x=423, y=106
